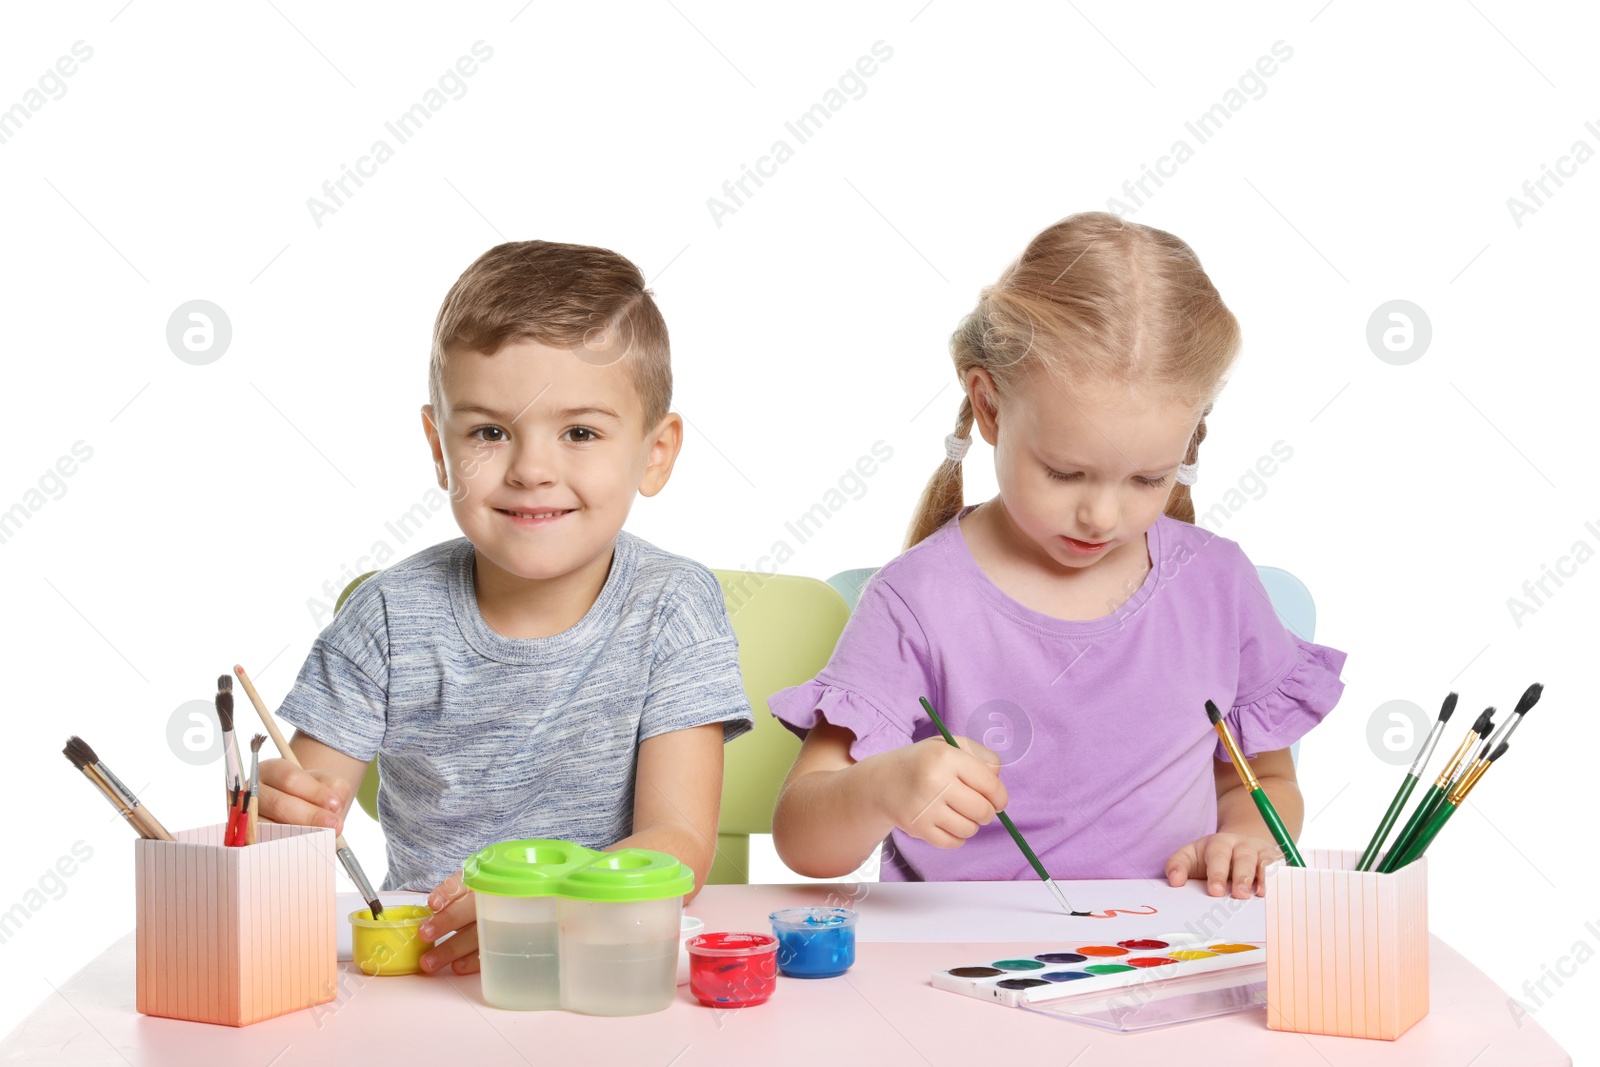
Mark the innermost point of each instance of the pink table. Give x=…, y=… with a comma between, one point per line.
x=883, y=1012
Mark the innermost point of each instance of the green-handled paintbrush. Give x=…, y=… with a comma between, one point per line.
x=1492, y=749
x=1530, y=697
x=1503, y=732
x=1409, y=783
x=1451, y=803
x=1269, y=814
x=1435, y=794
x=1011, y=827
x=1489, y=742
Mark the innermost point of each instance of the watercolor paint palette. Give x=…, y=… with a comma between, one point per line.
x=1096, y=967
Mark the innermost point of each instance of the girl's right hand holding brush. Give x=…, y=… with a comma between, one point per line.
x=303, y=797
x=834, y=811
x=937, y=793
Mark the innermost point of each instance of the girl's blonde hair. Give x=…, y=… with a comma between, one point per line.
x=1096, y=301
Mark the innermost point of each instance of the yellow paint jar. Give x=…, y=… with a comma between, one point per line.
x=389, y=944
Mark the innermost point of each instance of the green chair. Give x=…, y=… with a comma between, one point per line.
x=367, y=795
x=787, y=627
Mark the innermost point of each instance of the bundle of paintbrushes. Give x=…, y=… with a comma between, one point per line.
x=121, y=797
x=1459, y=777
x=240, y=793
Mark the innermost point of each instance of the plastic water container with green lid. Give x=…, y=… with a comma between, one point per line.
x=563, y=926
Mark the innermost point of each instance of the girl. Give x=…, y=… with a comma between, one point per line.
x=1077, y=622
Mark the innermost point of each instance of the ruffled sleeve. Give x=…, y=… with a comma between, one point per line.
x=872, y=681
x=1288, y=709
x=800, y=708
x=1286, y=684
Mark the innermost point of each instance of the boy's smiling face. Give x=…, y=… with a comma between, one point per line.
x=542, y=453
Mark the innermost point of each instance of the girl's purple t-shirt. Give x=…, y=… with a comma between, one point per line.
x=1107, y=754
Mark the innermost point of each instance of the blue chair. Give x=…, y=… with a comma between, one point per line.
x=1289, y=595
x=850, y=583
x=1291, y=600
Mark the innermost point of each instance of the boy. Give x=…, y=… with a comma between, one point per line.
x=549, y=675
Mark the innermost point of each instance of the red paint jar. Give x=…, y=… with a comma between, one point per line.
x=733, y=970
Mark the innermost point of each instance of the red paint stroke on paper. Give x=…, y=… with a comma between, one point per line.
x=1110, y=912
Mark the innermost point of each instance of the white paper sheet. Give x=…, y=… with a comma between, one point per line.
x=1014, y=911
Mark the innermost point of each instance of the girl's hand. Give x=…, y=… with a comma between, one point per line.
x=1222, y=859
x=941, y=794
x=454, y=908
x=302, y=798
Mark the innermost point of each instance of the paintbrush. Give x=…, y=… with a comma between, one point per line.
x=1490, y=743
x=1484, y=746
x=1451, y=804
x=1269, y=814
x=234, y=837
x=1503, y=732
x=1530, y=697
x=1409, y=783
x=1484, y=727
x=255, y=786
x=1011, y=827
x=122, y=798
x=346, y=857
x=1435, y=794
x=232, y=771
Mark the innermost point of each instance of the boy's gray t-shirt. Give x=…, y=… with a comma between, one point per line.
x=484, y=738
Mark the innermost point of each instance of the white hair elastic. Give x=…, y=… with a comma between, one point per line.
x=1188, y=473
x=955, y=448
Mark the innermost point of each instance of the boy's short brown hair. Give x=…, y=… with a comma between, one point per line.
x=588, y=299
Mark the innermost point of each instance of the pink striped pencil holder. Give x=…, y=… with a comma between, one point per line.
x=236, y=935
x=1347, y=950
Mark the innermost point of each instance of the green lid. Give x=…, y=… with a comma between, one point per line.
x=545, y=868
x=528, y=868
x=630, y=874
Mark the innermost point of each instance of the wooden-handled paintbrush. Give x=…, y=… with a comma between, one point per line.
x=253, y=826
x=121, y=797
x=346, y=857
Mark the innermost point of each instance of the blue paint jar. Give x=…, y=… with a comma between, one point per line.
x=815, y=942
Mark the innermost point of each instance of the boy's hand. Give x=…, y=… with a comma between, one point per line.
x=302, y=798
x=1223, y=859
x=940, y=794
x=455, y=908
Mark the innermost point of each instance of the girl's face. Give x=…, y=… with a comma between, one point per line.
x=1081, y=474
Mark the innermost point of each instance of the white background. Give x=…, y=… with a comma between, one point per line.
x=809, y=324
